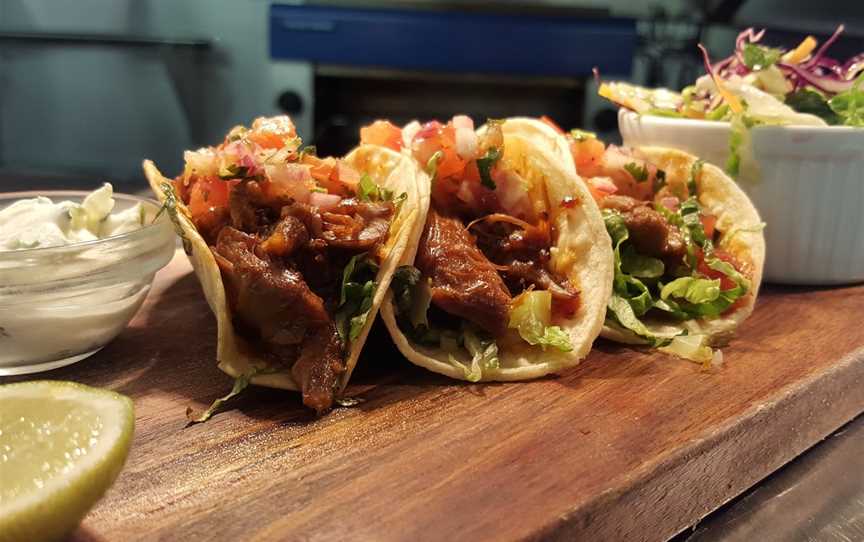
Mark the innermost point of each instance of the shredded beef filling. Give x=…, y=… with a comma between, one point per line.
x=281, y=262
x=650, y=233
x=522, y=256
x=464, y=282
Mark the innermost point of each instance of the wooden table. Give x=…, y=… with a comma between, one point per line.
x=629, y=446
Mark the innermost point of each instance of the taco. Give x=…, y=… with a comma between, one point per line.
x=294, y=252
x=510, y=277
x=688, y=243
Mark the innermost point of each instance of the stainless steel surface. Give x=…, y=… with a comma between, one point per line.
x=817, y=497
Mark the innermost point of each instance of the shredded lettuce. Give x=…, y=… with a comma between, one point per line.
x=355, y=296
x=531, y=316
x=691, y=347
x=484, y=353
x=432, y=164
x=643, y=267
x=849, y=105
x=369, y=190
x=693, y=290
x=240, y=384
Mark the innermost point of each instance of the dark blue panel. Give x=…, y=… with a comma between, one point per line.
x=452, y=42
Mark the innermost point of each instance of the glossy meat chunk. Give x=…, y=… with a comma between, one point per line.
x=270, y=299
x=650, y=233
x=356, y=225
x=464, y=282
x=319, y=367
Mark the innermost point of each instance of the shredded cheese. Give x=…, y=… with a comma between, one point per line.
x=801, y=52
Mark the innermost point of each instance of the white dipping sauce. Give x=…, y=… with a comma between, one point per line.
x=39, y=222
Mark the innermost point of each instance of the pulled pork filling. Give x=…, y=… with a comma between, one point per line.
x=283, y=253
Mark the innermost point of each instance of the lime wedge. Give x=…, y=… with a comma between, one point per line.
x=61, y=446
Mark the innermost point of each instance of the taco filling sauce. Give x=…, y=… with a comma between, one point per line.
x=483, y=276
x=296, y=239
x=670, y=264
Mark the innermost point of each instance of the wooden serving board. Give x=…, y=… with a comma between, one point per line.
x=629, y=446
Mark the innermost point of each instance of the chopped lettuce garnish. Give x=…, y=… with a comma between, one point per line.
x=638, y=265
x=368, y=190
x=240, y=384
x=531, y=316
x=693, y=290
x=759, y=57
x=691, y=347
x=485, y=165
x=849, y=105
x=484, y=353
x=308, y=150
x=355, y=297
x=639, y=173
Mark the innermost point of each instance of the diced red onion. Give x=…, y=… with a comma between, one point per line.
x=324, y=202
x=428, y=130
x=466, y=142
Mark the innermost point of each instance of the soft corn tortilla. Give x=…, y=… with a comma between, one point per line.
x=737, y=220
x=236, y=357
x=582, y=252
x=741, y=235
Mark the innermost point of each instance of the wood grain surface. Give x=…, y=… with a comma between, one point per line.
x=629, y=446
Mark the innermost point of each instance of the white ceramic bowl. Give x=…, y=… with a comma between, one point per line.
x=59, y=305
x=810, y=190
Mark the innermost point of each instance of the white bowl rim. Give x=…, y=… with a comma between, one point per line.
x=29, y=194
x=724, y=125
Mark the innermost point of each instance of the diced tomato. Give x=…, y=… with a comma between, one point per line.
x=708, y=223
x=600, y=187
x=552, y=123
x=345, y=174
x=208, y=202
x=321, y=168
x=267, y=140
x=725, y=282
x=382, y=132
x=588, y=155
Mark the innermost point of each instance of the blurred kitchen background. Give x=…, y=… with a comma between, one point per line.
x=88, y=88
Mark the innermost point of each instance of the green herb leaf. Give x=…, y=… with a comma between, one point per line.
x=638, y=172
x=849, y=105
x=695, y=175
x=806, y=100
x=759, y=57
x=310, y=150
x=485, y=165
